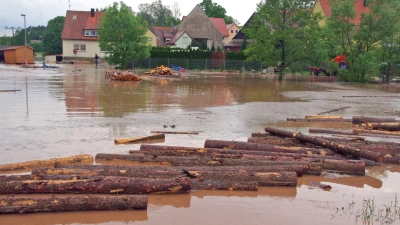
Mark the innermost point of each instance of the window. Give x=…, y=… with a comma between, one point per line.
x=91, y=33
x=150, y=39
x=80, y=47
x=236, y=31
x=167, y=40
x=184, y=40
x=231, y=31
x=74, y=17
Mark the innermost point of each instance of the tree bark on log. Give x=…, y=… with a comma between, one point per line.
x=99, y=185
x=330, y=131
x=354, y=167
x=72, y=203
x=362, y=119
x=283, y=178
x=239, y=145
x=137, y=139
x=223, y=185
x=159, y=172
x=79, y=159
x=376, y=132
x=384, y=126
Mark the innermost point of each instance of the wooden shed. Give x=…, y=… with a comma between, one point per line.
x=16, y=55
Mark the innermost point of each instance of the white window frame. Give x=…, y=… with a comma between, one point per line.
x=150, y=39
x=91, y=33
x=185, y=40
x=80, y=47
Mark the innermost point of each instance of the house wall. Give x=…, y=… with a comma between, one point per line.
x=179, y=43
x=318, y=9
x=198, y=25
x=232, y=33
x=92, y=47
x=153, y=37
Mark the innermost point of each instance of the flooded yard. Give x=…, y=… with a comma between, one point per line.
x=74, y=110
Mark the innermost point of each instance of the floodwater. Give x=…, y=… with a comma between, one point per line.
x=73, y=110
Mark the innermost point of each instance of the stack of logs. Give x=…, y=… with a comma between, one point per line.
x=272, y=158
x=163, y=71
x=122, y=76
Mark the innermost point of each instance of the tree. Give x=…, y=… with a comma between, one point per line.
x=123, y=35
x=363, y=43
x=52, y=42
x=19, y=37
x=280, y=31
x=156, y=14
x=212, y=9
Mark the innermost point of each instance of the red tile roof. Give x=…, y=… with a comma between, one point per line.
x=77, y=21
x=220, y=24
x=359, y=9
x=162, y=33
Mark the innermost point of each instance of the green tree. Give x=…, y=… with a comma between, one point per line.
x=280, y=33
x=51, y=41
x=363, y=43
x=212, y=9
x=156, y=14
x=123, y=35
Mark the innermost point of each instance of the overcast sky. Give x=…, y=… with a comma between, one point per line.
x=39, y=12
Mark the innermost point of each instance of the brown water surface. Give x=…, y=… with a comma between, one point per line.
x=74, y=110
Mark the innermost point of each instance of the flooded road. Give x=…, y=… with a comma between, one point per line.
x=74, y=110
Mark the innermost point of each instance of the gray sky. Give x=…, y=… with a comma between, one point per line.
x=39, y=12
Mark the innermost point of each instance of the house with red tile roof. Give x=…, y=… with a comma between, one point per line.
x=233, y=29
x=180, y=40
x=164, y=35
x=324, y=7
x=201, y=28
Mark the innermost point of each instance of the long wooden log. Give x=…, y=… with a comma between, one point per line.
x=323, y=117
x=108, y=170
x=137, y=139
x=239, y=145
x=376, y=132
x=384, y=126
x=319, y=120
x=363, y=119
x=223, y=185
x=173, y=132
x=262, y=179
x=98, y=185
x=354, y=167
x=79, y=159
x=333, y=110
x=330, y=131
x=72, y=203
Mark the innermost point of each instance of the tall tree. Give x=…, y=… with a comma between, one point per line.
x=156, y=14
x=361, y=43
x=212, y=9
x=123, y=35
x=279, y=31
x=52, y=42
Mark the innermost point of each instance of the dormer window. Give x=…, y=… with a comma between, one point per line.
x=91, y=33
x=167, y=40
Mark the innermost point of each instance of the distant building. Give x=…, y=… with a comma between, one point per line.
x=16, y=55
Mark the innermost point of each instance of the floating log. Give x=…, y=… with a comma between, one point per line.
x=377, y=132
x=323, y=117
x=239, y=145
x=98, y=185
x=319, y=120
x=136, y=139
x=333, y=110
x=282, y=178
x=174, y=132
x=79, y=159
x=362, y=119
x=320, y=185
x=384, y=126
x=71, y=203
x=223, y=185
x=330, y=131
x=9, y=90
x=111, y=170
x=354, y=167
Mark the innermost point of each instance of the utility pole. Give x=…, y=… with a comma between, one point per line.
x=69, y=5
x=12, y=28
x=26, y=61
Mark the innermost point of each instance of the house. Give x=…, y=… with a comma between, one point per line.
x=203, y=29
x=324, y=7
x=16, y=55
x=80, y=34
x=220, y=24
x=233, y=29
x=180, y=40
x=237, y=41
x=164, y=35
x=151, y=37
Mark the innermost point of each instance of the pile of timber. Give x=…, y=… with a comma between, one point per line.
x=122, y=76
x=162, y=71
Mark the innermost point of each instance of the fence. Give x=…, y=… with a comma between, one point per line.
x=199, y=64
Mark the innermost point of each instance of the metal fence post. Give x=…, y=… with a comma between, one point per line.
x=206, y=65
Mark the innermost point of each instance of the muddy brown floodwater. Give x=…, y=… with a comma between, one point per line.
x=74, y=110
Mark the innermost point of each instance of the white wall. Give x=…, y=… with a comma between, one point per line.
x=92, y=47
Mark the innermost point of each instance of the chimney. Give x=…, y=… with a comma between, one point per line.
x=92, y=12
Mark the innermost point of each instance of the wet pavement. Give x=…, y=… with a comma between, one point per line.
x=74, y=110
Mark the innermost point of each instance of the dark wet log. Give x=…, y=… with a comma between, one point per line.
x=320, y=185
x=109, y=170
x=137, y=139
x=166, y=147
x=384, y=126
x=362, y=119
x=376, y=132
x=260, y=134
x=223, y=185
x=239, y=145
x=354, y=167
x=79, y=159
x=330, y=131
x=262, y=179
x=72, y=203
x=319, y=120
x=333, y=110
x=98, y=185
x=45, y=177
